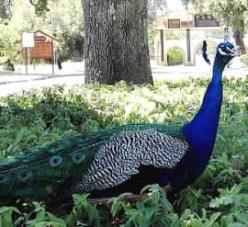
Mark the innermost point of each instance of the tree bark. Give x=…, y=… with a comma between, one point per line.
x=5, y=8
x=116, y=41
x=238, y=34
x=239, y=40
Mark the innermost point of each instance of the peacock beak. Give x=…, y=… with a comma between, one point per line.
x=234, y=52
x=238, y=53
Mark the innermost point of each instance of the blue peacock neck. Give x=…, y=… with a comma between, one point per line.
x=201, y=131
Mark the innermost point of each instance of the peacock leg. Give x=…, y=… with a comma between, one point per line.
x=167, y=188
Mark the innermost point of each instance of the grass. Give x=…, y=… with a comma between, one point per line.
x=219, y=198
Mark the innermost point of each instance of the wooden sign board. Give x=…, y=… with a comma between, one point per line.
x=43, y=46
x=174, y=23
x=186, y=24
x=42, y=50
x=41, y=38
x=206, y=20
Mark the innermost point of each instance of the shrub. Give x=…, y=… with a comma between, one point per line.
x=175, y=56
x=219, y=198
x=8, y=66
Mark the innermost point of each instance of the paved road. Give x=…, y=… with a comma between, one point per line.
x=18, y=87
x=15, y=83
x=39, y=77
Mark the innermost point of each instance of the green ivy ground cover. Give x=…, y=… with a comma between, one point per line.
x=219, y=198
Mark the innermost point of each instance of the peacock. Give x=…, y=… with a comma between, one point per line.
x=123, y=158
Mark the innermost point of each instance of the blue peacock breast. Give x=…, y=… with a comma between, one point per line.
x=186, y=171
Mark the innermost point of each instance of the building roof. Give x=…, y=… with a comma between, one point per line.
x=50, y=36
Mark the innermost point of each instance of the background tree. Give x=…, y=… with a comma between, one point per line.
x=155, y=8
x=232, y=13
x=22, y=18
x=116, y=41
x=2, y=9
x=5, y=6
x=64, y=19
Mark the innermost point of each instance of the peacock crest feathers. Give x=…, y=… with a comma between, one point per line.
x=204, y=52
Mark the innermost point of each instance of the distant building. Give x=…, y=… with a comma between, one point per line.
x=178, y=29
x=44, y=45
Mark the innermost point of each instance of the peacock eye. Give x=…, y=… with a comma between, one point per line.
x=2, y=178
x=55, y=161
x=78, y=157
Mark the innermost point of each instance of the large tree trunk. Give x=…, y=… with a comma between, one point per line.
x=116, y=41
x=238, y=34
x=5, y=8
x=239, y=40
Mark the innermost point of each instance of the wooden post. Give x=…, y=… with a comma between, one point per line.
x=53, y=71
x=162, y=45
x=188, y=61
x=26, y=60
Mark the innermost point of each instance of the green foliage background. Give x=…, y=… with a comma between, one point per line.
x=244, y=59
x=219, y=198
x=231, y=13
x=175, y=56
x=64, y=18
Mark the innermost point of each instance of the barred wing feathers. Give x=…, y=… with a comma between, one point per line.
x=121, y=157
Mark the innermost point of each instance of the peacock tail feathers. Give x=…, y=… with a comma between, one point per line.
x=42, y=171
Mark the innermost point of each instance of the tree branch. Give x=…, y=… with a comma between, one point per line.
x=128, y=198
x=32, y=2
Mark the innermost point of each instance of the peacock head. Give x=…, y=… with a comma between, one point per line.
x=224, y=54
